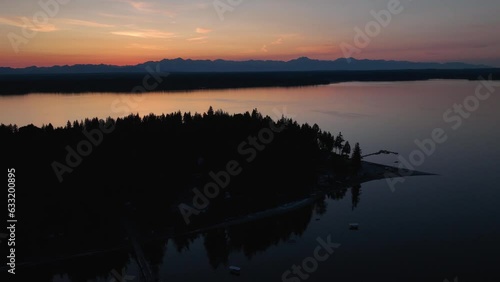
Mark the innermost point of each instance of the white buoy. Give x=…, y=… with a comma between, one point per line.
x=234, y=270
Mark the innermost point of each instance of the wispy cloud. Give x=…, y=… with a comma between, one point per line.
x=6, y=21
x=201, y=39
x=146, y=46
x=148, y=7
x=119, y=16
x=23, y=22
x=286, y=37
x=203, y=30
x=317, y=49
x=82, y=23
x=277, y=41
x=145, y=33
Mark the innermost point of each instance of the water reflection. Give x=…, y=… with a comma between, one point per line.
x=256, y=236
x=440, y=223
x=259, y=235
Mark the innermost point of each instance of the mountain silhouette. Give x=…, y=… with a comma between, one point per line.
x=299, y=64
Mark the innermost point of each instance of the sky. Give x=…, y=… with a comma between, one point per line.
x=126, y=32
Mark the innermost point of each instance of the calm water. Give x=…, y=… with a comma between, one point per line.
x=429, y=228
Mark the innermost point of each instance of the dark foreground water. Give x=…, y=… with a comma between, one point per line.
x=428, y=228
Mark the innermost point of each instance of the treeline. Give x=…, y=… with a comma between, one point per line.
x=126, y=82
x=77, y=181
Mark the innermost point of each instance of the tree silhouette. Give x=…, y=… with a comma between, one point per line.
x=355, y=195
x=210, y=111
x=356, y=157
x=187, y=118
x=338, y=142
x=325, y=140
x=347, y=149
x=152, y=164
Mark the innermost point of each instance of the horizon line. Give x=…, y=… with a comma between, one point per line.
x=249, y=60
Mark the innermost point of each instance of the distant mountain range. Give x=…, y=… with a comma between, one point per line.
x=300, y=64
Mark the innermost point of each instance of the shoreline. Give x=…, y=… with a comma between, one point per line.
x=369, y=172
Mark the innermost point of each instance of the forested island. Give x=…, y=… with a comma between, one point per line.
x=18, y=84
x=93, y=180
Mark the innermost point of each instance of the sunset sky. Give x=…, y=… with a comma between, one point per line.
x=125, y=32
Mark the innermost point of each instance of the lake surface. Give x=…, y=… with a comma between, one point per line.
x=427, y=228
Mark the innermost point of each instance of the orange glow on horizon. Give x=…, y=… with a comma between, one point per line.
x=129, y=32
